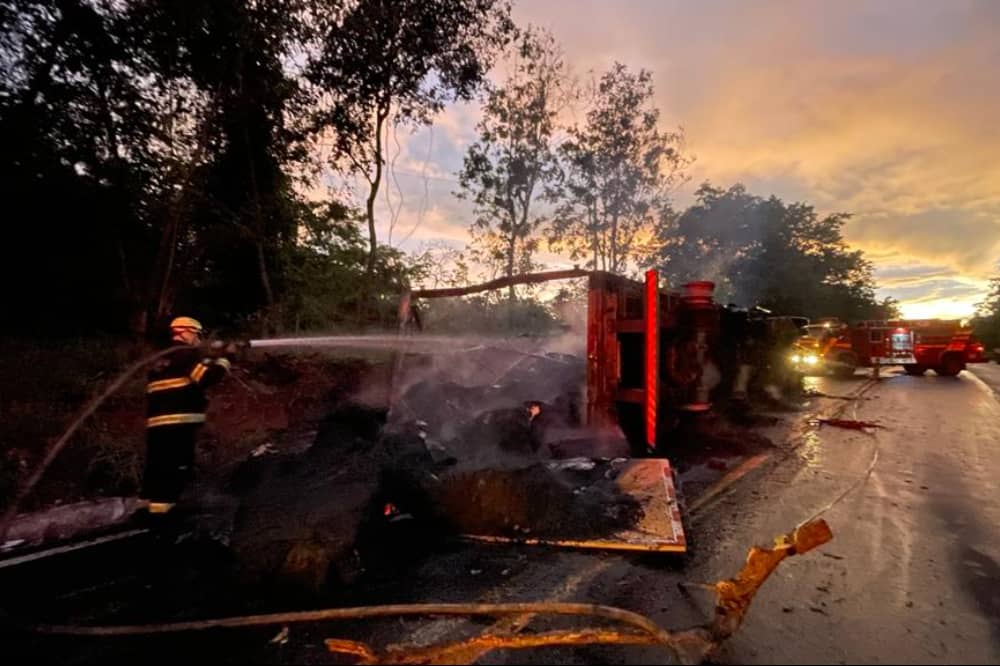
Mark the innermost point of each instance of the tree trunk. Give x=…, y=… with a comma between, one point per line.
x=511, y=251
x=613, y=249
x=259, y=236
x=164, y=266
x=374, y=183
x=160, y=280
x=265, y=283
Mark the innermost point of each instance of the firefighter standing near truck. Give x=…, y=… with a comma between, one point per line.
x=176, y=402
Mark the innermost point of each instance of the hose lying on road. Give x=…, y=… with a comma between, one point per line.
x=691, y=646
x=858, y=482
x=60, y=444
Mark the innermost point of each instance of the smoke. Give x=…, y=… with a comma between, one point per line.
x=723, y=229
x=573, y=315
x=490, y=402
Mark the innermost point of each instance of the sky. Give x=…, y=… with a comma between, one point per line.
x=887, y=110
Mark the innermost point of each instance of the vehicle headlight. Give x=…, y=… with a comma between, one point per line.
x=811, y=359
x=796, y=358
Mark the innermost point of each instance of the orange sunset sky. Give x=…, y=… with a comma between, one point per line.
x=886, y=110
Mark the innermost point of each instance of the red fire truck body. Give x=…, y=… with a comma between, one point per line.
x=945, y=346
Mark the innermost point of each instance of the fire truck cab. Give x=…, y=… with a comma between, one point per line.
x=825, y=346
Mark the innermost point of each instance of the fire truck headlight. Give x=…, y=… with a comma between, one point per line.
x=796, y=358
x=810, y=359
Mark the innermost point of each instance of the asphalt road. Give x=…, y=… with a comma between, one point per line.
x=989, y=373
x=919, y=579
x=912, y=574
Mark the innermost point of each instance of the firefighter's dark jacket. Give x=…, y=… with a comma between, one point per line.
x=176, y=389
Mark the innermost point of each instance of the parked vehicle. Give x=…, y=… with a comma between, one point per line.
x=943, y=345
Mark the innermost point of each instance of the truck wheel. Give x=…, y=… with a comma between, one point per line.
x=846, y=364
x=951, y=365
x=915, y=370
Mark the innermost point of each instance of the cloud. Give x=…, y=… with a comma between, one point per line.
x=885, y=110
x=906, y=275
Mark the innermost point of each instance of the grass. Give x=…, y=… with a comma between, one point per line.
x=43, y=385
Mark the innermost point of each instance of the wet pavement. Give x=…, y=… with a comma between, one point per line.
x=912, y=573
x=989, y=373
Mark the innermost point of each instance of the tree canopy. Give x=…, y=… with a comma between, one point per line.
x=513, y=165
x=154, y=149
x=987, y=320
x=619, y=168
x=781, y=256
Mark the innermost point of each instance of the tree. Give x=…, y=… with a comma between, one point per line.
x=513, y=163
x=784, y=257
x=147, y=138
x=323, y=271
x=78, y=163
x=247, y=205
x=153, y=149
x=986, y=322
x=404, y=57
x=620, y=168
x=437, y=264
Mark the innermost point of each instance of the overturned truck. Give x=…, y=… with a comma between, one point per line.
x=653, y=354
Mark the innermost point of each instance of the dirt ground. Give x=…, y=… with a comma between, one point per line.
x=268, y=398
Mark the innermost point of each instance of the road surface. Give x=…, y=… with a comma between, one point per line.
x=989, y=373
x=911, y=576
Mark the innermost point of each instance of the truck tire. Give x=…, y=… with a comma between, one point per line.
x=915, y=370
x=951, y=365
x=846, y=364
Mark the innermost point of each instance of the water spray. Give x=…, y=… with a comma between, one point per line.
x=374, y=341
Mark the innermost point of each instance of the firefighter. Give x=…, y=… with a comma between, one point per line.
x=176, y=411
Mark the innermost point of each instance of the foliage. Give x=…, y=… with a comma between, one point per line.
x=325, y=267
x=410, y=57
x=437, y=264
x=483, y=315
x=513, y=163
x=986, y=323
x=784, y=257
x=620, y=168
x=154, y=151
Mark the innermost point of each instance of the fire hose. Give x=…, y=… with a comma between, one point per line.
x=691, y=646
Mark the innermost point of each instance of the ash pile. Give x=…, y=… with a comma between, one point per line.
x=492, y=420
x=493, y=405
x=470, y=444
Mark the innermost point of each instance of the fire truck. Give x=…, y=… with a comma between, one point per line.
x=942, y=345
x=825, y=346
x=945, y=346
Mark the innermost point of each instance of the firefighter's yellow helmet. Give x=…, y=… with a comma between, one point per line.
x=186, y=324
